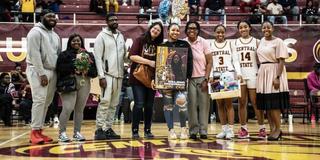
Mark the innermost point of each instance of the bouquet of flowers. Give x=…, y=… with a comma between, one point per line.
x=82, y=64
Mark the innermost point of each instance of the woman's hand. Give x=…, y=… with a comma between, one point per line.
x=239, y=77
x=171, y=53
x=152, y=64
x=153, y=85
x=204, y=85
x=276, y=83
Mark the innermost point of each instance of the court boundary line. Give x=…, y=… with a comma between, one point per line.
x=12, y=139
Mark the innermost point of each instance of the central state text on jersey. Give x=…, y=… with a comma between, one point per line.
x=215, y=53
x=246, y=48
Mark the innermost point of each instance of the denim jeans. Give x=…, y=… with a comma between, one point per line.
x=169, y=102
x=143, y=99
x=209, y=11
x=273, y=18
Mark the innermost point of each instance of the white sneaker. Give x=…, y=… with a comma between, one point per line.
x=63, y=137
x=78, y=137
x=221, y=135
x=229, y=134
x=184, y=133
x=124, y=4
x=56, y=120
x=141, y=11
x=172, y=134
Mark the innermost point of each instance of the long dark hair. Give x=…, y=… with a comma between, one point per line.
x=71, y=38
x=267, y=21
x=244, y=21
x=3, y=75
x=219, y=25
x=147, y=35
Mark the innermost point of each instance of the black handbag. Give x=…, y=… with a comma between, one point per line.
x=67, y=84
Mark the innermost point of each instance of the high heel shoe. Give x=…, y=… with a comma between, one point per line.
x=270, y=138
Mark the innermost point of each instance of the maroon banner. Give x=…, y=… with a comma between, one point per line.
x=302, y=42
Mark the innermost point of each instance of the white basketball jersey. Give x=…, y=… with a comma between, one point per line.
x=247, y=53
x=222, y=57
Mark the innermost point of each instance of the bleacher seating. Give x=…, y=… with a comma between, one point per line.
x=83, y=7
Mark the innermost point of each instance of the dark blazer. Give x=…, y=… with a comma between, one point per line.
x=65, y=64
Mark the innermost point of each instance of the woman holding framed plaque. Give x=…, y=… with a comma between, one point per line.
x=143, y=52
x=177, y=96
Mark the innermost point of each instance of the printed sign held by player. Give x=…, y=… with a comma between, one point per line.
x=171, y=68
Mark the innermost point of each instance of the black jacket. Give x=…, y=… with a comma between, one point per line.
x=65, y=64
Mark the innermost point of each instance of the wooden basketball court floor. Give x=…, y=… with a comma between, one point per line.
x=301, y=143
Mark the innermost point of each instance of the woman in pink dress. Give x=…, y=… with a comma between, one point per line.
x=272, y=82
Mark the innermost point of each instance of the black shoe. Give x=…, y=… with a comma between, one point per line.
x=193, y=136
x=135, y=134
x=270, y=138
x=110, y=134
x=100, y=134
x=148, y=134
x=203, y=136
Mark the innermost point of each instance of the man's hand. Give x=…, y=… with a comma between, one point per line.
x=44, y=80
x=103, y=83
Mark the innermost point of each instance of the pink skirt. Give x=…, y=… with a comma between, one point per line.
x=267, y=96
x=266, y=74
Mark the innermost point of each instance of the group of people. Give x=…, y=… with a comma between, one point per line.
x=69, y=72
x=241, y=56
x=48, y=69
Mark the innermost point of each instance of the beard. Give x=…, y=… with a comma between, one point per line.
x=113, y=26
x=48, y=25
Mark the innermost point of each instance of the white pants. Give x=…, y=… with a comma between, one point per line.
x=41, y=96
x=108, y=103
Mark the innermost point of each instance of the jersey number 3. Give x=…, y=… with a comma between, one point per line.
x=221, y=62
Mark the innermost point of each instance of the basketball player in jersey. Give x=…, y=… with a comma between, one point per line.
x=224, y=60
x=245, y=47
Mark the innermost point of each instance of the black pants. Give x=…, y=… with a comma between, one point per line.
x=25, y=109
x=143, y=99
x=145, y=3
x=6, y=108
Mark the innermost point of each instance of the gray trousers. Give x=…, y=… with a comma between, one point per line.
x=41, y=96
x=198, y=120
x=108, y=102
x=76, y=101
